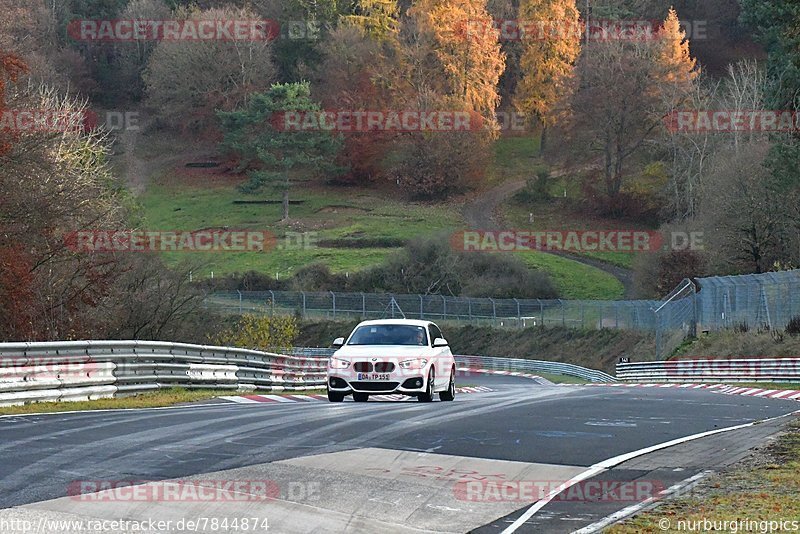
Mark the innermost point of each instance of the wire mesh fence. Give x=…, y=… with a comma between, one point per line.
x=763, y=301
x=517, y=313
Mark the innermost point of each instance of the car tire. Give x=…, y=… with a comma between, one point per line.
x=361, y=397
x=428, y=395
x=450, y=393
x=335, y=396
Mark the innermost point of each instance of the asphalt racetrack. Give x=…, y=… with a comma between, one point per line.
x=487, y=462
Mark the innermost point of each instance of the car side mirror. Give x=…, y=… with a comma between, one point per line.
x=338, y=342
x=440, y=342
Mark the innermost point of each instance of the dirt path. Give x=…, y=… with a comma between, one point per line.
x=482, y=213
x=138, y=170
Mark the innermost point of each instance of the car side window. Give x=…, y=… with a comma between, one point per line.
x=434, y=332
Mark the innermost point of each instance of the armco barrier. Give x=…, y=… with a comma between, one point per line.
x=733, y=370
x=82, y=370
x=500, y=364
x=532, y=366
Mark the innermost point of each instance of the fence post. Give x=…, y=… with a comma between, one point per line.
x=304, y=303
x=494, y=311
x=444, y=308
x=363, y=306
x=272, y=297
x=421, y=309
x=563, y=314
x=469, y=308
x=583, y=315
x=541, y=311
x=333, y=296
x=519, y=314
x=240, y=301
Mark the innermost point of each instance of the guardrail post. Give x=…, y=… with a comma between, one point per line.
x=333, y=296
x=541, y=311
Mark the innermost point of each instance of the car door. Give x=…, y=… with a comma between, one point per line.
x=442, y=358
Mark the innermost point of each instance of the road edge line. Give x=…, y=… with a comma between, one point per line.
x=616, y=460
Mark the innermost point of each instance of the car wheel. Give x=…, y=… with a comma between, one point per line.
x=428, y=395
x=361, y=397
x=450, y=394
x=335, y=396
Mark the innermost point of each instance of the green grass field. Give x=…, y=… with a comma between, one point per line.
x=325, y=213
x=575, y=280
x=183, y=200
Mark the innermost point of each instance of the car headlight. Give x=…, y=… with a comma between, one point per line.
x=413, y=364
x=337, y=363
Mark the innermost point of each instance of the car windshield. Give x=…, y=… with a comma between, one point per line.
x=389, y=334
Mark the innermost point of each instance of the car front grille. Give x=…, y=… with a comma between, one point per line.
x=363, y=367
x=384, y=367
x=374, y=386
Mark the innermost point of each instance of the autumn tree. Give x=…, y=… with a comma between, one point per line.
x=547, y=61
x=623, y=92
x=56, y=182
x=186, y=82
x=376, y=18
x=459, y=63
x=355, y=74
x=745, y=206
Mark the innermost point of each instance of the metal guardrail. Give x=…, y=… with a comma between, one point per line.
x=87, y=370
x=733, y=370
x=499, y=364
x=533, y=366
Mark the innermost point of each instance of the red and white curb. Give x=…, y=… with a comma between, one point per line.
x=249, y=399
x=786, y=394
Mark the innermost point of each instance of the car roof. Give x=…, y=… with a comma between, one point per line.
x=409, y=322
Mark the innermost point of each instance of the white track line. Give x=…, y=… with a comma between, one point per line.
x=638, y=507
x=616, y=460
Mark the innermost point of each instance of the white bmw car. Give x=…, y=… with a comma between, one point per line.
x=392, y=356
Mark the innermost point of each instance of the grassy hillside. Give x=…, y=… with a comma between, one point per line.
x=596, y=349
x=374, y=222
x=730, y=344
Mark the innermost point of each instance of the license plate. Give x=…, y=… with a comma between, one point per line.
x=373, y=376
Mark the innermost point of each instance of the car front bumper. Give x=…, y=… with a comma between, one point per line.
x=405, y=384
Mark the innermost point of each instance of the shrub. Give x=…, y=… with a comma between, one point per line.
x=261, y=333
x=793, y=327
